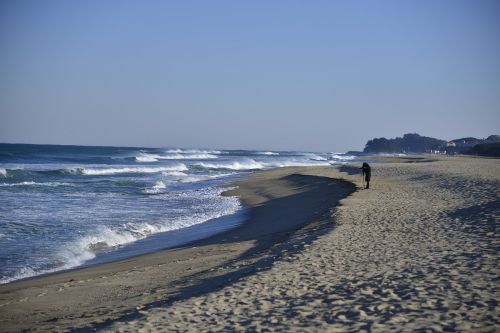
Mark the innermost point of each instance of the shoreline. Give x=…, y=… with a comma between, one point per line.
x=89, y=296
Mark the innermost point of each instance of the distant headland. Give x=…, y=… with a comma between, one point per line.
x=415, y=143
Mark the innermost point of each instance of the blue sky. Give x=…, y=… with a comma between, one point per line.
x=304, y=75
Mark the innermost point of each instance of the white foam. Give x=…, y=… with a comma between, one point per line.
x=392, y=154
x=268, y=153
x=103, y=238
x=247, y=164
x=342, y=157
x=281, y=164
x=3, y=173
x=199, y=178
x=77, y=253
x=199, y=156
x=156, y=188
x=146, y=158
x=22, y=273
x=194, y=151
x=215, y=206
x=174, y=173
x=69, y=260
x=50, y=184
x=318, y=158
x=112, y=171
x=174, y=156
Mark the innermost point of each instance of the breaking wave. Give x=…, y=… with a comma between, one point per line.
x=174, y=173
x=158, y=187
x=194, y=151
x=342, y=157
x=147, y=158
x=318, y=158
x=199, y=178
x=268, y=153
x=104, y=238
x=125, y=170
x=281, y=164
x=248, y=164
x=144, y=157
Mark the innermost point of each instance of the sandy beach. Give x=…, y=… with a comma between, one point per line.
x=417, y=251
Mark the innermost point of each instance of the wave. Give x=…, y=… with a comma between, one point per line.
x=77, y=252
x=199, y=178
x=289, y=163
x=199, y=156
x=392, y=154
x=105, y=170
x=314, y=157
x=248, y=164
x=10, y=172
x=156, y=188
x=318, y=158
x=342, y=157
x=251, y=164
x=268, y=153
x=144, y=157
x=49, y=184
x=194, y=151
x=215, y=206
x=174, y=173
x=190, y=178
x=125, y=170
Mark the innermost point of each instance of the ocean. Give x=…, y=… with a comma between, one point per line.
x=70, y=206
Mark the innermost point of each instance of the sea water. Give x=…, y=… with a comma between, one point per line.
x=66, y=206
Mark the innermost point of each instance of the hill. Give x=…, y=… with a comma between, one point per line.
x=415, y=143
x=409, y=143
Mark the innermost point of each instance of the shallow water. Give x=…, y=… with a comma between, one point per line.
x=67, y=206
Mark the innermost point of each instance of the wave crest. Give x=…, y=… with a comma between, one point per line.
x=236, y=165
x=144, y=157
x=193, y=151
x=125, y=170
x=156, y=188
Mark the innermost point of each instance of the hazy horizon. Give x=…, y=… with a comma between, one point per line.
x=282, y=75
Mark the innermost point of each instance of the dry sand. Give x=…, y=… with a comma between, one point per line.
x=418, y=251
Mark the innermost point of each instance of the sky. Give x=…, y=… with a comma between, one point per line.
x=273, y=75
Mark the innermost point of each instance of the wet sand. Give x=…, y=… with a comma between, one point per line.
x=283, y=205
x=416, y=252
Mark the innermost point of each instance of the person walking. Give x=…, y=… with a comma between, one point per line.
x=367, y=173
